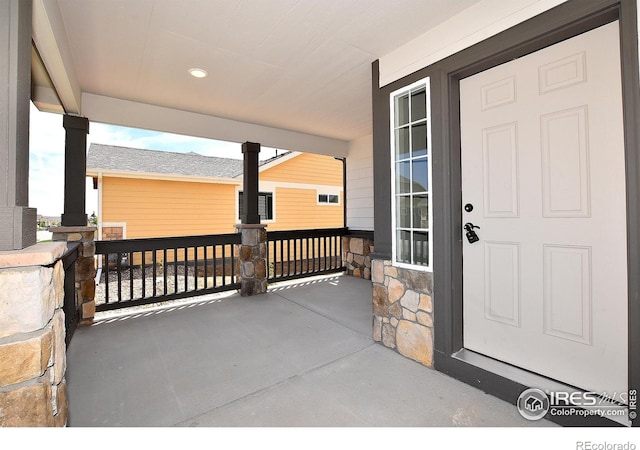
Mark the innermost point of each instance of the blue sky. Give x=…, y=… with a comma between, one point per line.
x=46, y=155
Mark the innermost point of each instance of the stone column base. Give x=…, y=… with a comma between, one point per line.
x=32, y=337
x=85, y=268
x=252, y=263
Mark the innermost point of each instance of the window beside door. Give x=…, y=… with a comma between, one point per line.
x=411, y=175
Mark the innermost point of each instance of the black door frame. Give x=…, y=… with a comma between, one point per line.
x=560, y=23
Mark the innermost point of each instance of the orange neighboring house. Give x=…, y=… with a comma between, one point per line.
x=148, y=193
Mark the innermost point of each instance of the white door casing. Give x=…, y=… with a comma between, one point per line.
x=545, y=287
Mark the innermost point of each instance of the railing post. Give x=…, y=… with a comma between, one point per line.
x=252, y=264
x=85, y=267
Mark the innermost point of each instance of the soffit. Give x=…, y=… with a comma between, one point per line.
x=300, y=65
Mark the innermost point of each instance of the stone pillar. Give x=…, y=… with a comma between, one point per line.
x=85, y=268
x=356, y=257
x=32, y=337
x=403, y=310
x=75, y=171
x=17, y=220
x=250, y=151
x=252, y=263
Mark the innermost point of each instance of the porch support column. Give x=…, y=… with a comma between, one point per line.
x=250, y=151
x=75, y=171
x=17, y=220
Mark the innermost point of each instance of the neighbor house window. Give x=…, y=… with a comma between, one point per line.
x=328, y=199
x=265, y=205
x=411, y=174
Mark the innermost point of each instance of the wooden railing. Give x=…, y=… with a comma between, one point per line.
x=303, y=253
x=142, y=271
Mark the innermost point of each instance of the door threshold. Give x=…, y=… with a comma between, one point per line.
x=532, y=380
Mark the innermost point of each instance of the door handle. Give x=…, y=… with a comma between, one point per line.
x=471, y=235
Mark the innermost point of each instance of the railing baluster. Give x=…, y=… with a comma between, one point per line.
x=164, y=270
x=307, y=242
x=206, y=277
x=195, y=269
x=224, y=265
x=233, y=265
x=175, y=270
x=144, y=274
x=105, y=258
x=281, y=257
x=186, y=268
x=322, y=265
x=215, y=266
x=130, y=260
x=118, y=258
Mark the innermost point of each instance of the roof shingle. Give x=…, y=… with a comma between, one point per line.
x=135, y=160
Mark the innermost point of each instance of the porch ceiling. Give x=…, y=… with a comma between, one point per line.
x=289, y=65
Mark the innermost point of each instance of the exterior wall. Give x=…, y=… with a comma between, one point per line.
x=360, y=184
x=298, y=209
x=306, y=168
x=403, y=310
x=481, y=21
x=154, y=208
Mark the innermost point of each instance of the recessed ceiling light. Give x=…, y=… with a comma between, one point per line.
x=198, y=73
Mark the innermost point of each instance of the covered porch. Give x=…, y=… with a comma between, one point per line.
x=300, y=355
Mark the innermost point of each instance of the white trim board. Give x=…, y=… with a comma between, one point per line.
x=475, y=24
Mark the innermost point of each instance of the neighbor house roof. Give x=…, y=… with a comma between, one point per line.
x=111, y=158
x=125, y=159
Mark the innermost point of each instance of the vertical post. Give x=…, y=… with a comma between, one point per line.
x=250, y=151
x=17, y=220
x=75, y=170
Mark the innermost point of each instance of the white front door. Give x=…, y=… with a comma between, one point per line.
x=545, y=286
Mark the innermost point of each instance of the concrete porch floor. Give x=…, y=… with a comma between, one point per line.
x=301, y=355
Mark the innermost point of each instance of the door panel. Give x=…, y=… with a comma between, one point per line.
x=545, y=288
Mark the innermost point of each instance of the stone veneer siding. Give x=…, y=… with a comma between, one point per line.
x=403, y=310
x=355, y=256
x=251, y=259
x=85, y=268
x=32, y=337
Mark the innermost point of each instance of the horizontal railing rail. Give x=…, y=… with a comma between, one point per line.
x=303, y=253
x=143, y=271
x=71, y=310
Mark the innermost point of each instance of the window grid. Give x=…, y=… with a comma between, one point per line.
x=265, y=205
x=402, y=254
